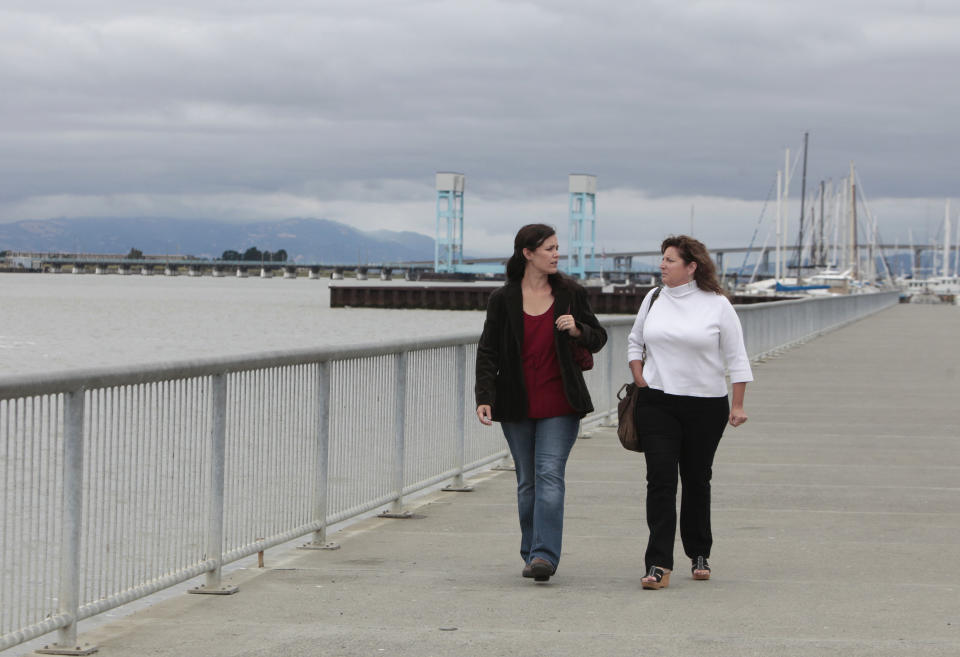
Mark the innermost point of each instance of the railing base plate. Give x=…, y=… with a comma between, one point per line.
x=320, y=546
x=76, y=650
x=223, y=590
x=504, y=468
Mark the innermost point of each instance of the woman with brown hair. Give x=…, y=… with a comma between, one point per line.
x=691, y=338
x=529, y=381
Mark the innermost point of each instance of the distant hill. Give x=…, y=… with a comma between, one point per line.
x=305, y=240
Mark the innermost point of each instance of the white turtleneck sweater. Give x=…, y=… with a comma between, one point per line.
x=690, y=333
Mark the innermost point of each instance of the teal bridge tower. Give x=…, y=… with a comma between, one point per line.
x=448, y=247
x=583, y=224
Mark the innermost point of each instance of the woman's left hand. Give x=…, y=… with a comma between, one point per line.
x=737, y=416
x=568, y=324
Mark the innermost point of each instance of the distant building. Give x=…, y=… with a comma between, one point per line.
x=20, y=261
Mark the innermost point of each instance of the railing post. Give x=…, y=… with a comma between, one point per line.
x=400, y=421
x=319, y=541
x=611, y=414
x=460, y=420
x=218, y=438
x=69, y=594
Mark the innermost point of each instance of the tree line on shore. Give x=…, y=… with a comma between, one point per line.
x=253, y=254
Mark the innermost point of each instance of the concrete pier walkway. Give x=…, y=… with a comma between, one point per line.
x=836, y=520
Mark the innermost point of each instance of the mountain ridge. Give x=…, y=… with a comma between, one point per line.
x=304, y=239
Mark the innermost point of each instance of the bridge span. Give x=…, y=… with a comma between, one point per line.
x=621, y=266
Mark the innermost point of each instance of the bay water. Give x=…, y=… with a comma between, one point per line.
x=56, y=322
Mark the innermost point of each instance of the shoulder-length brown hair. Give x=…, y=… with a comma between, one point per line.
x=692, y=250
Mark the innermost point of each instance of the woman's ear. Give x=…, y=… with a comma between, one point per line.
x=527, y=254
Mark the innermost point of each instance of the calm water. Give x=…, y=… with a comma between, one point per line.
x=54, y=322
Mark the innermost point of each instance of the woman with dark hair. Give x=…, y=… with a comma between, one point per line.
x=529, y=381
x=679, y=351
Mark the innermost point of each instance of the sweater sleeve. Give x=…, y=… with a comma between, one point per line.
x=488, y=353
x=732, y=347
x=635, y=339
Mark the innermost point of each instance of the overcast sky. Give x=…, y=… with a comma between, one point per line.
x=246, y=110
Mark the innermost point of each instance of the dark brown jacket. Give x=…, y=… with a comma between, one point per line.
x=500, y=351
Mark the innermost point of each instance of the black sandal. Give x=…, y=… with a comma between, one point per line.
x=657, y=578
x=700, y=568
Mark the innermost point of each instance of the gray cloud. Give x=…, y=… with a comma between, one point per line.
x=333, y=103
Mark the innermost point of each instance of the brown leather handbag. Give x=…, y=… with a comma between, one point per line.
x=628, y=397
x=627, y=417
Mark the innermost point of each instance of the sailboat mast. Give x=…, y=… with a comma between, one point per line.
x=785, y=219
x=956, y=254
x=913, y=254
x=803, y=197
x=821, y=247
x=946, y=240
x=779, y=220
x=853, y=224
x=837, y=195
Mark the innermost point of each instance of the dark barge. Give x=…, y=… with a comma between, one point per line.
x=618, y=300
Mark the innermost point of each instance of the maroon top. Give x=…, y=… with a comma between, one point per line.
x=541, y=370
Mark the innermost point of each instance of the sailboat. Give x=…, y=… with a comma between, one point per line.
x=841, y=274
x=933, y=288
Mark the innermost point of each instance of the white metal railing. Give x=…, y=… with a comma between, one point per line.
x=771, y=327
x=117, y=483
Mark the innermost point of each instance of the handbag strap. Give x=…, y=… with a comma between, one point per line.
x=656, y=293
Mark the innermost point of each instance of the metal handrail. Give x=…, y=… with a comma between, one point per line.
x=88, y=378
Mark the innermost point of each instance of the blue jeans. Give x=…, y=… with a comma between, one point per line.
x=540, y=449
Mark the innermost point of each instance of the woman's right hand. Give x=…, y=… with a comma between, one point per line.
x=484, y=414
x=640, y=382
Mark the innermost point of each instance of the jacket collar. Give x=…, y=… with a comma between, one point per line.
x=562, y=301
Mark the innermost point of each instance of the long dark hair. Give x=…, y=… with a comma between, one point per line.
x=531, y=236
x=692, y=250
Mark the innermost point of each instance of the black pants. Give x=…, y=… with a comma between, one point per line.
x=680, y=434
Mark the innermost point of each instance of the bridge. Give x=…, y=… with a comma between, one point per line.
x=623, y=261
x=203, y=266
x=621, y=264
x=833, y=509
